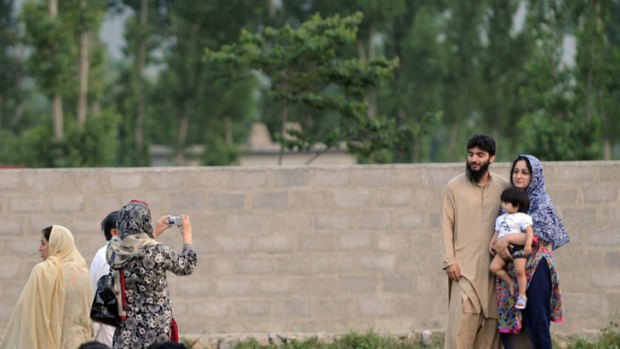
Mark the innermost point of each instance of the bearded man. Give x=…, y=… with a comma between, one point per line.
x=471, y=204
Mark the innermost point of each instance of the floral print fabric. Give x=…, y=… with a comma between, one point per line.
x=510, y=318
x=149, y=310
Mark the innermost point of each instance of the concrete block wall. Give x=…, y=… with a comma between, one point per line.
x=321, y=249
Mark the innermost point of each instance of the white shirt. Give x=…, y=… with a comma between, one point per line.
x=510, y=223
x=99, y=267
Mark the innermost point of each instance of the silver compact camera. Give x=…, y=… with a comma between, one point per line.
x=175, y=220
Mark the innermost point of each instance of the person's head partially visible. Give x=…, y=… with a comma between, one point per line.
x=167, y=345
x=134, y=218
x=515, y=200
x=93, y=345
x=57, y=242
x=108, y=225
x=480, y=155
x=44, y=247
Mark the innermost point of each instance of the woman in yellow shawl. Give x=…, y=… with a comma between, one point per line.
x=53, y=311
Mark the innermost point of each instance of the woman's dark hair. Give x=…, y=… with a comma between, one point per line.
x=484, y=142
x=514, y=163
x=109, y=223
x=47, y=232
x=517, y=197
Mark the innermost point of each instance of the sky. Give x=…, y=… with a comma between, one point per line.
x=112, y=33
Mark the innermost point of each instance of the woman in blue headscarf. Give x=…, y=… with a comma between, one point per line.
x=543, y=287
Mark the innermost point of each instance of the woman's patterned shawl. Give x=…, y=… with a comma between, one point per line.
x=547, y=223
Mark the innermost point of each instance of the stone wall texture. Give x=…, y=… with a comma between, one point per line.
x=321, y=249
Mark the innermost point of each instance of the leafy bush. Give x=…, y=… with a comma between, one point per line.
x=609, y=339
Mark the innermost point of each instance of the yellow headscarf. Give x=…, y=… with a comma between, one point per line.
x=53, y=311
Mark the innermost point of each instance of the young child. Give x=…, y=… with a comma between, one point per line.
x=515, y=221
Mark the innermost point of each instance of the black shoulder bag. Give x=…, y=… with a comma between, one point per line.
x=105, y=304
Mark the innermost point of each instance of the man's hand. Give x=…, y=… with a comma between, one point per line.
x=505, y=254
x=454, y=272
x=500, y=244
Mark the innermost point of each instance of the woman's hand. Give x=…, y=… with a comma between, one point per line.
x=161, y=226
x=186, y=229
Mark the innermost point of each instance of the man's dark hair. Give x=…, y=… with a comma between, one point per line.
x=109, y=223
x=517, y=197
x=484, y=142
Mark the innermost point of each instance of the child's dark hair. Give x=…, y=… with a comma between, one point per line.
x=484, y=142
x=517, y=197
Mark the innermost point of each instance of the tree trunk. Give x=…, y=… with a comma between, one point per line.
x=284, y=124
x=361, y=51
x=228, y=130
x=84, y=70
x=53, y=8
x=58, y=118
x=141, y=63
x=1, y=116
x=96, y=109
x=57, y=100
x=371, y=96
x=454, y=132
x=179, y=157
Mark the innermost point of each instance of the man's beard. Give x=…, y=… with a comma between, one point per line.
x=475, y=176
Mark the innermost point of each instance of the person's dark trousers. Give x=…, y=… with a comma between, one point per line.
x=537, y=314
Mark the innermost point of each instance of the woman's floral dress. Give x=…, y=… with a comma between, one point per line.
x=148, y=306
x=509, y=317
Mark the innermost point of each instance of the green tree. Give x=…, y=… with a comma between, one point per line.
x=503, y=57
x=10, y=75
x=414, y=98
x=310, y=80
x=463, y=79
x=51, y=60
x=133, y=88
x=55, y=33
x=598, y=66
x=192, y=107
x=550, y=127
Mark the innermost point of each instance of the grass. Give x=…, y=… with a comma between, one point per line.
x=369, y=340
x=609, y=338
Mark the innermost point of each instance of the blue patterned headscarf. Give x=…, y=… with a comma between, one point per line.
x=547, y=224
